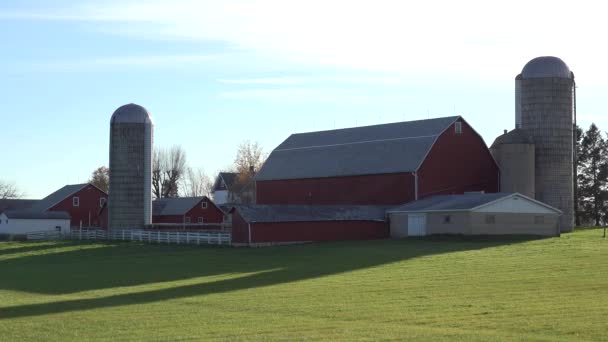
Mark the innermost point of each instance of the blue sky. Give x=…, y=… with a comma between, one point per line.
x=214, y=73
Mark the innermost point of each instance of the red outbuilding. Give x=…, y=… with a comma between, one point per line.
x=192, y=212
x=271, y=224
x=81, y=201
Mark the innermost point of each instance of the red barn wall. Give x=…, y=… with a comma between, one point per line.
x=379, y=189
x=317, y=231
x=240, y=229
x=89, y=204
x=458, y=163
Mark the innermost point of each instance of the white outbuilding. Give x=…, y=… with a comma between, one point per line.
x=475, y=214
x=23, y=221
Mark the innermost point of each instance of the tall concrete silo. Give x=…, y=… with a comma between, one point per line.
x=130, y=191
x=546, y=107
x=515, y=154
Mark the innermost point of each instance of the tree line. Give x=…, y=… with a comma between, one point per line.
x=591, y=187
x=173, y=177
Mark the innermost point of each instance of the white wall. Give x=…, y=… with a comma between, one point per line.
x=24, y=226
x=515, y=204
x=220, y=197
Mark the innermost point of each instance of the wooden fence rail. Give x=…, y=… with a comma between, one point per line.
x=150, y=236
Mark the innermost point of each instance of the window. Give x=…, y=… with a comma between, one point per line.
x=447, y=219
x=199, y=220
x=58, y=228
x=102, y=201
x=188, y=219
x=204, y=204
x=490, y=219
x=75, y=201
x=458, y=127
x=539, y=219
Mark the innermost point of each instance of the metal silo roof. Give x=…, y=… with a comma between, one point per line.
x=546, y=66
x=131, y=113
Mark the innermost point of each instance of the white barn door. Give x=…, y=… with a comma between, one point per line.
x=416, y=224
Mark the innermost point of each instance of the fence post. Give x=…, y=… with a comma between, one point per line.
x=123, y=235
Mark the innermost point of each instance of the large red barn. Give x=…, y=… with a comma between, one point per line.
x=378, y=165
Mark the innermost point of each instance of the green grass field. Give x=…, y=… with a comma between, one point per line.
x=433, y=289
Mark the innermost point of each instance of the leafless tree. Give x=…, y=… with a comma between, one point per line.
x=196, y=183
x=101, y=178
x=168, y=169
x=9, y=190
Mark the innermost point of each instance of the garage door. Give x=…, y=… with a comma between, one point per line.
x=416, y=224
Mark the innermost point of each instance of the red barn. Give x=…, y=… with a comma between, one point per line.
x=81, y=201
x=186, y=211
x=368, y=167
x=378, y=165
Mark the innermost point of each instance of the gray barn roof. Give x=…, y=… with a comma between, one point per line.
x=15, y=204
x=389, y=148
x=175, y=206
x=37, y=215
x=451, y=202
x=310, y=213
x=56, y=197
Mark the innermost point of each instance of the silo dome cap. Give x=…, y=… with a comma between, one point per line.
x=546, y=66
x=131, y=113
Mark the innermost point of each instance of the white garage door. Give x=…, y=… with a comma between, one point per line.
x=416, y=224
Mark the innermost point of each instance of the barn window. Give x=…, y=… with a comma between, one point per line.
x=102, y=201
x=58, y=228
x=490, y=219
x=447, y=219
x=199, y=220
x=75, y=201
x=204, y=204
x=188, y=219
x=458, y=127
x=539, y=219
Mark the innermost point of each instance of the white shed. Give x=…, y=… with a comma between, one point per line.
x=24, y=221
x=475, y=214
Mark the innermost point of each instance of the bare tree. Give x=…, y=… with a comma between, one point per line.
x=196, y=183
x=9, y=190
x=168, y=169
x=101, y=178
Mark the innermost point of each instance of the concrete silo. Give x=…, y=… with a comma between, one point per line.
x=130, y=191
x=545, y=92
x=515, y=155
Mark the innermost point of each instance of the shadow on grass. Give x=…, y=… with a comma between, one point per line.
x=115, y=265
x=30, y=247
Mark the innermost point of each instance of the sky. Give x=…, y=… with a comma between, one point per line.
x=215, y=73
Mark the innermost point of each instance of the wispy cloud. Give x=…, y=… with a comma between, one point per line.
x=113, y=62
x=468, y=37
x=294, y=80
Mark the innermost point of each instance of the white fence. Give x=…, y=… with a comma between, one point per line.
x=150, y=236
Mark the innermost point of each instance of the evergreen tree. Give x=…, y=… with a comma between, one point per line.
x=593, y=175
x=577, y=165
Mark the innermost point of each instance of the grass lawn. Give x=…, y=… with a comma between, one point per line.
x=434, y=289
